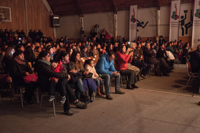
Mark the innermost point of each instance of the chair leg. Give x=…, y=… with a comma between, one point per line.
x=41, y=102
x=93, y=96
x=21, y=95
x=54, y=109
x=191, y=81
x=150, y=73
x=37, y=95
x=188, y=82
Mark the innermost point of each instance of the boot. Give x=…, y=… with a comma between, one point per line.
x=98, y=91
x=101, y=89
x=85, y=98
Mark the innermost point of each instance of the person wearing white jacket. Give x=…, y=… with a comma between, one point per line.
x=89, y=66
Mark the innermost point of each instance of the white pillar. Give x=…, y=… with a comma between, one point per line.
x=158, y=22
x=115, y=25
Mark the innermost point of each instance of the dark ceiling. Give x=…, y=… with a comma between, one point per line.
x=79, y=7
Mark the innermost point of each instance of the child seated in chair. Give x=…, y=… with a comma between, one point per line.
x=89, y=66
x=57, y=67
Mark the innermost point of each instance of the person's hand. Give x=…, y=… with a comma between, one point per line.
x=86, y=73
x=56, y=80
x=137, y=54
x=69, y=77
x=27, y=73
x=168, y=59
x=98, y=78
x=128, y=50
x=131, y=53
x=115, y=73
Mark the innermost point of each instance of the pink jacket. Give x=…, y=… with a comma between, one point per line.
x=92, y=70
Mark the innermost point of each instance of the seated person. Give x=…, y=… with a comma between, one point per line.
x=75, y=81
x=84, y=52
x=94, y=51
x=130, y=65
x=89, y=66
x=163, y=58
x=21, y=68
x=144, y=68
x=38, y=49
x=43, y=68
x=105, y=67
x=195, y=60
x=123, y=59
x=77, y=67
x=57, y=67
x=149, y=58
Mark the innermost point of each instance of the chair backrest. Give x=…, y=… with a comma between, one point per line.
x=189, y=70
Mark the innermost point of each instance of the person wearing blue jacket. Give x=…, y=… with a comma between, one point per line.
x=105, y=67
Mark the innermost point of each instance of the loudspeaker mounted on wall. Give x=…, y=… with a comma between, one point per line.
x=55, y=21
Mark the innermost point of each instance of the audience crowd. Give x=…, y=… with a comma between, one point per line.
x=86, y=66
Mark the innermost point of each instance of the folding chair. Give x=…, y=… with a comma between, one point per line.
x=46, y=94
x=190, y=74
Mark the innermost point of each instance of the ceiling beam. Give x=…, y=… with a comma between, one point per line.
x=77, y=5
x=114, y=6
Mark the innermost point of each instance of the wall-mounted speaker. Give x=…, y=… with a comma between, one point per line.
x=55, y=21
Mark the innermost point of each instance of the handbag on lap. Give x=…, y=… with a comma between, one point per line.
x=30, y=78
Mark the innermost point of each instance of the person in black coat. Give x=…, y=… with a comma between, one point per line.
x=163, y=58
x=195, y=60
x=148, y=55
x=19, y=69
x=43, y=68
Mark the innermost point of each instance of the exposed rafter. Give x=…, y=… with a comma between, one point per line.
x=114, y=6
x=76, y=4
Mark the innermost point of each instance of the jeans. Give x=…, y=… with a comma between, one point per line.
x=98, y=81
x=78, y=86
x=107, y=82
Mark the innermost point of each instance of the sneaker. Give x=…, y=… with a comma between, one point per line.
x=69, y=113
x=109, y=97
x=81, y=105
x=120, y=92
x=51, y=98
x=62, y=101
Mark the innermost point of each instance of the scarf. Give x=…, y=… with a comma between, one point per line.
x=45, y=62
x=21, y=62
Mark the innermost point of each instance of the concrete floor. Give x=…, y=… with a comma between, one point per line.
x=160, y=105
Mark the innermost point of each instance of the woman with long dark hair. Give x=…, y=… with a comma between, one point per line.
x=77, y=67
x=123, y=59
x=75, y=81
x=29, y=55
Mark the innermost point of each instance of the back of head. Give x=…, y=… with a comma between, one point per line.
x=110, y=53
x=42, y=54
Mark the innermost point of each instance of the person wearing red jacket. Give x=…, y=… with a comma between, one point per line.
x=57, y=67
x=123, y=59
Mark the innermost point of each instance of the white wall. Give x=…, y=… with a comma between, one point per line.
x=123, y=23
x=104, y=20
x=164, y=20
x=147, y=15
x=69, y=26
